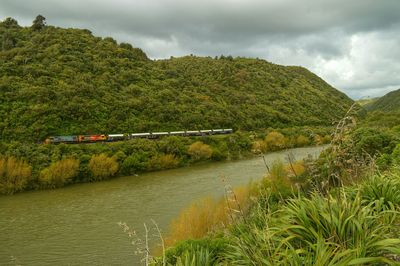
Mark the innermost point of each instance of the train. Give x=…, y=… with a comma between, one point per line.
x=127, y=136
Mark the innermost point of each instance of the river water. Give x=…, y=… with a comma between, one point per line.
x=78, y=224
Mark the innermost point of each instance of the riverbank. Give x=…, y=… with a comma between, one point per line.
x=38, y=166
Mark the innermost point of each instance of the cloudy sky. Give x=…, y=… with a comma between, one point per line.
x=352, y=44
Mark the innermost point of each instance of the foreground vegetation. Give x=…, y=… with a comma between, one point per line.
x=342, y=209
x=40, y=166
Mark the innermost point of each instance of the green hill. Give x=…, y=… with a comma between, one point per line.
x=387, y=103
x=56, y=81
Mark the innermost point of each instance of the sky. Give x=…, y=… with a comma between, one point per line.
x=352, y=44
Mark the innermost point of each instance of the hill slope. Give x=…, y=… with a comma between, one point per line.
x=387, y=103
x=56, y=81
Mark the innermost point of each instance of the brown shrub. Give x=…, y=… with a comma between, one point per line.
x=200, y=151
x=103, y=166
x=302, y=141
x=165, y=161
x=14, y=175
x=59, y=173
x=259, y=146
x=275, y=141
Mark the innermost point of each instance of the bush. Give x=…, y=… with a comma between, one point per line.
x=164, y=161
x=14, y=175
x=275, y=141
x=59, y=173
x=134, y=164
x=102, y=166
x=259, y=146
x=302, y=141
x=200, y=151
x=371, y=140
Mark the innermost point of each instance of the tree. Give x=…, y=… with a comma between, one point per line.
x=39, y=23
x=10, y=23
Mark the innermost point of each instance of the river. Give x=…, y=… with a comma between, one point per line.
x=78, y=224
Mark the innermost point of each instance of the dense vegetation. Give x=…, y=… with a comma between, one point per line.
x=342, y=209
x=56, y=81
x=387, y=103
x=26, y=166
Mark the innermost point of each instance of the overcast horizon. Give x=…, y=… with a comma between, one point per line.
x=354, y=46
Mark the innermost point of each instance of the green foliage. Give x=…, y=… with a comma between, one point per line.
x=56, y=81
x=102, y=166
x=384, y=190
x=209, y=250
x=371, y=140
x=317, y=231
x=134, y=164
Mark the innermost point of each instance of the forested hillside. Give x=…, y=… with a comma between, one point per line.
x=56, y=81
x=387, y=103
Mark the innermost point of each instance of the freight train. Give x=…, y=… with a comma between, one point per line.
x=119, y=137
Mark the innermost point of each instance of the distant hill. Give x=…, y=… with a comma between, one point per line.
x=366, y=102
x=387, y=103
x=56, y=81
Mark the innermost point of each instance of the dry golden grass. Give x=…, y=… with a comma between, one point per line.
x=207, y=215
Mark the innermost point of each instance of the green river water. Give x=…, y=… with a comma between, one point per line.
x=78, y=225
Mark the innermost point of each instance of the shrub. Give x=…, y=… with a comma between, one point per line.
x=59, y=173
x=200, y=151
x=14, y=175
x=318, y=140
x=259, y=146
x=134, y=164
x=371, y=140
x=102, y=166
x=275, y=141
x=164, y=161
x=302, y=141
